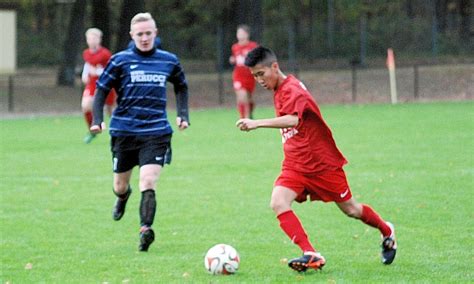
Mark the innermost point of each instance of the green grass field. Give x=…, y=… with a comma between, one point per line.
x=414, y=163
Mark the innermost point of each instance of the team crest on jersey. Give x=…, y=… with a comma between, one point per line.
x=141, y=76
x=287, y=133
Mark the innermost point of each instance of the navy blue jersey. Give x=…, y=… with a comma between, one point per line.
x=139, y=79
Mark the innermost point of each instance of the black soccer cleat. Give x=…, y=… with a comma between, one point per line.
x=389, y=246
x=301, y=264
x=119, y=207
x=147, y=236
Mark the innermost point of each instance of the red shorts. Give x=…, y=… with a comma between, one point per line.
x=110, y=100
x=244, y=85
x=243, y=80
x=329, y=185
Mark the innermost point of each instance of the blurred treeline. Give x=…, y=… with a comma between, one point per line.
x=51, y=32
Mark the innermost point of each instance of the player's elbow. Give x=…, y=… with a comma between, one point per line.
x=292, y=120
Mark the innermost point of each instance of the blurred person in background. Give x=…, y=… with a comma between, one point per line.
x=95, y=58
x=243, y=81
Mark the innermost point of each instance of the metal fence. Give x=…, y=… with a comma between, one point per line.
x=36, y=91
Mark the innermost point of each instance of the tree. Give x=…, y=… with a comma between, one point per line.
x=66, y=74
x=249, y=12
x=465, y=27
x=129, y=9
x=442, y=14
x=101, y=19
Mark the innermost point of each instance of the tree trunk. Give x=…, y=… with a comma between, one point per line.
x=229, y=29
x=409, y=9
x=129, y=9
x=40, y=16
x=331, y=28
x=464, y=28
x=101, y=19
x=66, y=74
x=250, y=12
x=441, y=14
x=257, y=23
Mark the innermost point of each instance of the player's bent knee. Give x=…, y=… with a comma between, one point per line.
x=148, y=181
x=352, y=212
x=120, y=186
x=278, y=206
x=87, y=104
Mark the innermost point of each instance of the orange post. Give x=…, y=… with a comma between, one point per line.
x=390, y=59
x=391, y=71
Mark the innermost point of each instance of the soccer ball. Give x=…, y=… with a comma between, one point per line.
x=222, y=259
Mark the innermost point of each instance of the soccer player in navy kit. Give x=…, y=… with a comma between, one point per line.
x=140, y=130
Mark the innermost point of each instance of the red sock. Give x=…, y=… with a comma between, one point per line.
x=88, y=117
x=291, y=225
x=243, y=110
x=371, y=218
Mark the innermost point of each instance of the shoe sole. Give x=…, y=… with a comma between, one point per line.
x=118, y=217
x=146, y=239
x=302, y=267
x=391, y=258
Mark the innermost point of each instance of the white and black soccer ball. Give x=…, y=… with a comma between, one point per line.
x=222, y=259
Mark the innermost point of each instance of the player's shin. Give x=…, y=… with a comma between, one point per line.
x=371, y=218
x=147, y=208
x=293, y=228
x=243, y=109
x=88, y=118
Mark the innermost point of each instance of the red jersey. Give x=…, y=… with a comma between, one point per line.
x=98, y=59
x=309, y=147
x=239, y=52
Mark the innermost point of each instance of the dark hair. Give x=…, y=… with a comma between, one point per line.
x=260, y=55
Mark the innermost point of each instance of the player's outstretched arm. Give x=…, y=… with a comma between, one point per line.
x=181, y=91
x=286, y=121
x=98, y=123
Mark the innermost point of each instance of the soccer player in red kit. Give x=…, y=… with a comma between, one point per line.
x=243, y=81
x=312, y=164
x=95, y=58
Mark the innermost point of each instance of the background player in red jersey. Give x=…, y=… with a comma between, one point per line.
x=95, y=58
x=243, y=81
x=312, y=164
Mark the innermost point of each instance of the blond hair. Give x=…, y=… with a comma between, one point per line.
x=141, y=17
x=244, y=27
x=94, y=31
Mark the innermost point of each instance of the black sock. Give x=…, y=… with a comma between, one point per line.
x=147, y=207
x=123, y=195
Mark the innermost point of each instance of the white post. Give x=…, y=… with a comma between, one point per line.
x=391, y=71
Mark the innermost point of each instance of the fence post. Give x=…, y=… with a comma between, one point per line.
x=354, y=83
x=10, y=94
x=415, y=81
x=354, y=63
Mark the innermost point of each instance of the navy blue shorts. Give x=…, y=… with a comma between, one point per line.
x=131, y=151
